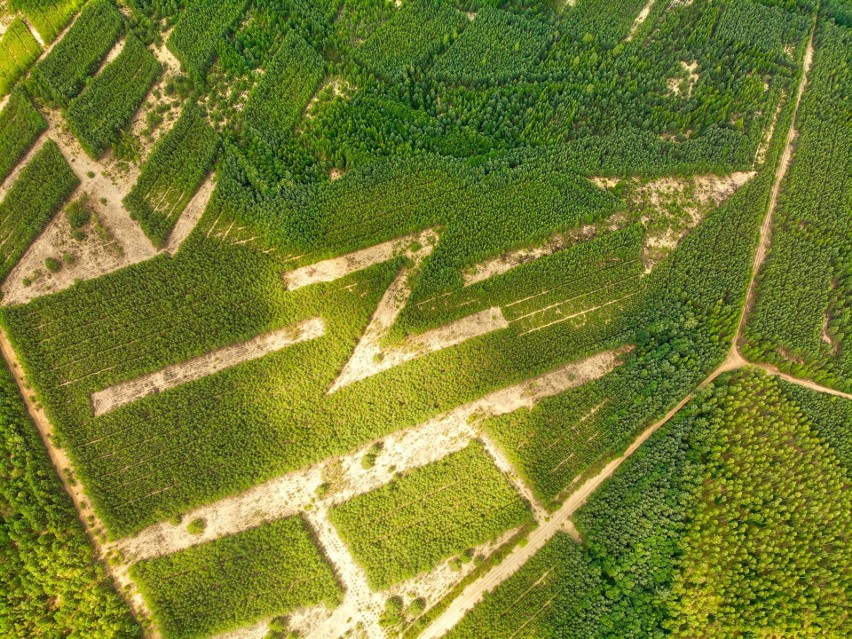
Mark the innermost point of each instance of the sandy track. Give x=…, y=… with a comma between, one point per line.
x=369, y=358
x=537, y=538
x=91, y=522
x=361, y=606
x=780, y=173
x=108, y=399
x=640, y=19
x=190, y=216
x=338, y=267
x=424, y=444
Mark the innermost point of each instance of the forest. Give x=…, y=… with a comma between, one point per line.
x=589, y=261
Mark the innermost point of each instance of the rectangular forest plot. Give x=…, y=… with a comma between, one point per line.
x=20, y=126
x=497, y=46
x=172, y=174
x=39, y=191
x=114, y=397
x=109, y=102
x=410, y=525
x=18, y=50
x=234, y=581
x=201, y=26
x=552, y=587
x=60, y=76
x=48, y=17
x=418, y=30
x=289, y=81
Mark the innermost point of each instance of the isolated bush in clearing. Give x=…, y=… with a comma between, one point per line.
x=427, y=515
x=39, y=191
x=108, y=104
x=172, y=174
x=20, y=126
x=234, y=581
x=61, y=75
x=18, y=50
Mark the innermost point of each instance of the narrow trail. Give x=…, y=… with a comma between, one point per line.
x=561, y=519
x=780, y=173
x=91, y=522
x=640, y=19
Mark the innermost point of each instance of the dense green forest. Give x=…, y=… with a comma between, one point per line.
x=53, y=585
x=717, y=527
x=480, y=198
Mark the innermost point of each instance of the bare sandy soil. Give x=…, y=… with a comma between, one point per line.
x=339, y=267
x=108, y=399
x=188, y=220
x=345, y=477
x=763, y=148
x=557, y=242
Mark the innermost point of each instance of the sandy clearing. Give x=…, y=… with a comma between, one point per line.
x=763, y=147
x=91, y=522
x=188, y=220
x=346, y=476
x=673, y=205
x=361, y=606
x=338, y=267
x=640, y=19
x=109, y=399
x=506, y=262
x=34, y=32
x=155, y=98
x=106, y=182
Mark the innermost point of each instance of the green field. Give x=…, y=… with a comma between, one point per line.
x=269, y=570
x=20, y=126
x=109, y=102
x=37, y=194
x=61, y=75
x=172, y=174
x=428, y=515
x=374, y=319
